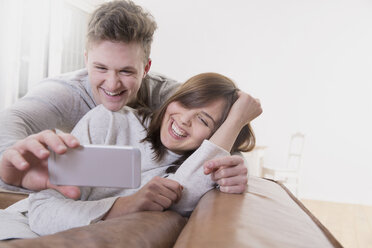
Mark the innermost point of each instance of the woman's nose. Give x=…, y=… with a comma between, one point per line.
x=186, y=118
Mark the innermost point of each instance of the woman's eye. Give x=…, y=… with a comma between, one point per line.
x=202, y=120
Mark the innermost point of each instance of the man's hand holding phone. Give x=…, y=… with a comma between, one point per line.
x=25, y=164
x=97, y=166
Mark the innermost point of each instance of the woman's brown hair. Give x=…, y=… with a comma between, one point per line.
x=197, y=92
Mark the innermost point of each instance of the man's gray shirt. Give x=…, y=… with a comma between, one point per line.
x=60, y=102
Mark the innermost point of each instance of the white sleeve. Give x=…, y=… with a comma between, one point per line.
x=104, y=127
x=191, y=176
x=93, y=127
x=51, y=212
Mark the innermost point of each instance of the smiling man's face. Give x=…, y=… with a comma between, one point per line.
x=115, y=70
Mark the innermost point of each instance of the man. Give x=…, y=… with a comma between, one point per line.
x=117, y=73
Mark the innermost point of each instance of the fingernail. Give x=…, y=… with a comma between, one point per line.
x=61, y=148
x=23, y=165
x=74, y=142
x=43, y=152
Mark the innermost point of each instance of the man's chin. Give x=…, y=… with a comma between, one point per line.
x=114, y=106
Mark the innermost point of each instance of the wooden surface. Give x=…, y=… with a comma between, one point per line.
x=350, y=224
x=7, y=199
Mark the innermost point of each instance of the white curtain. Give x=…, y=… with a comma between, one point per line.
x=39, y=38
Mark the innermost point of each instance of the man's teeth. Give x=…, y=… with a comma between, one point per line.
x=112, y=93
x=177, y=131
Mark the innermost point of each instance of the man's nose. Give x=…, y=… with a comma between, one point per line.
x=112, y=81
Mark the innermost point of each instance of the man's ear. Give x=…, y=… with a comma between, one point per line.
x=86, y=57
x=147, y=67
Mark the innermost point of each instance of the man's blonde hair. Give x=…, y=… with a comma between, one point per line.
x=122, y=21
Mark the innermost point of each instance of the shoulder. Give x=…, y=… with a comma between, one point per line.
x=157, y=89
x=74, y=78
x=67, y=85
x=159, y=82
x=157, y=77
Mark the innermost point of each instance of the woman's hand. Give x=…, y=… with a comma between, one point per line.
x=157, y=195
x=25, y=164
x=229, y=172
x=245, y=109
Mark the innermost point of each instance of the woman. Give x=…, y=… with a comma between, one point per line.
x=207, y=117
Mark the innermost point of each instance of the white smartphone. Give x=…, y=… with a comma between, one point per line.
x=96, y=165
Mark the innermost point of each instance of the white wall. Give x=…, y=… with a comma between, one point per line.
x=310, y=63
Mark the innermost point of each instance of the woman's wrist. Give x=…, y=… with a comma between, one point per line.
x=235, y=123
x=227, y=133
x=122, y=206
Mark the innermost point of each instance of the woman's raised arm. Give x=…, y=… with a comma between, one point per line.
x=244, y=110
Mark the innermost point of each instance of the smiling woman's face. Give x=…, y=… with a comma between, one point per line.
x=184, y=129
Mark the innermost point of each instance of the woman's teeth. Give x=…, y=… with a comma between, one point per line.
x=177, y=131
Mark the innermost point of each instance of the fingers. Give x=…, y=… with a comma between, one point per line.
x=228, y=161
x=158, y=194
x=52, y=140
x=37, y=144
x=161, y=202
x=232, y=181
x=25, y=163
x=173, y=186
x=12, y=158
x=72, y=192
x=35, y=178
x=11, y=166
x=32, y=145
x=167, y=188
x=69, y=140
x=227, y=172
x=237, y=189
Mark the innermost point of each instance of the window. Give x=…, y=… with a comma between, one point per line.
x=40, y=38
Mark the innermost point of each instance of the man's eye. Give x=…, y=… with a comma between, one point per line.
x=100, y=68
x=126, y=72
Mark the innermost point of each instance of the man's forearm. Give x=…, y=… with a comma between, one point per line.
x=12, y=129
